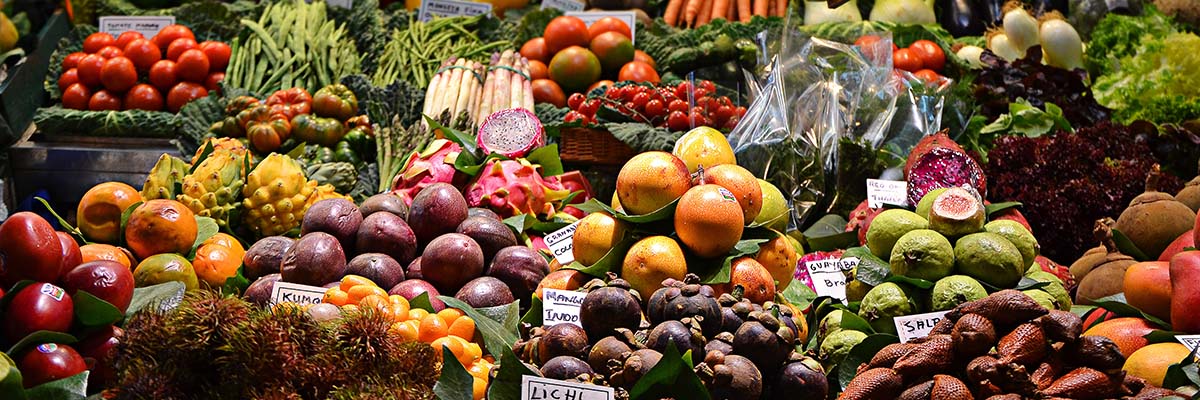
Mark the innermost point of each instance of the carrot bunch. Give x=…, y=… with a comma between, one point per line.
x=696, y=13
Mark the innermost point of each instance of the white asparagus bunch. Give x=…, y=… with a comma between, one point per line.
x=507, y=85
x=456, y=87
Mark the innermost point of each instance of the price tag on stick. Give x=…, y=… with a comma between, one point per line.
x=431, y=9
x=910, y=327
x=564, y=5
x=561, y=242
x=561, y=306
x=827, y=278
x=284, y=292
x=880, y=192
x=148, y=26
x=1192, y=342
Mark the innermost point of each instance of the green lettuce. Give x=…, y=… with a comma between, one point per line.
x=1160, y=82
x=1118, y=36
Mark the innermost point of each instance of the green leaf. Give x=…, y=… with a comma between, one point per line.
x=798, y=294
x=862, y=353
x=852, y=321
x=1119, y=306
x=992, y=209
x=468, y=164
x=125, y=218
x=455, y=383
x=610, y=262
x=236, y=284
x=519, y=223
x=165, y=295
x=871, y=270
x=70, y=388
x=548, y=158
x=721, y=275
x=507, y=383
x=919, y=283
x=93, y=311
x=1126, y=246
x=1183, y=373
x=1161, y=336
x=466, y=140
x=39, y=337
x=595, y=205
x=16, y=288
x=422, y=302
x=296, y=153
x=672, y=377
x=207, y=151
x=829, y=225
x=533, y=317
x=1027, y=283
x=62, y=222
x=205, y=229
x=499, y=327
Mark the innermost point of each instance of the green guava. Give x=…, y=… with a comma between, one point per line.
x=953, y=290
x=922, y=254
x=888, y=227
x=835, y=347
x=1018, y=236
x=885, y=302
x=989, y=258
x=926, y=202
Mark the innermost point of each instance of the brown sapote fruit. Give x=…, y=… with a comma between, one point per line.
x=1190, y=194
x=1154, y=219
x=1108, y=277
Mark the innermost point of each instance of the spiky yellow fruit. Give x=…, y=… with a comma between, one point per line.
x=214, y=189
x=160, y=182
x=276, y=196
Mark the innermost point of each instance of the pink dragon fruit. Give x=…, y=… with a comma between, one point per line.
x=938, y=162
x=511, y=133
x=801, y=273
x=860, y=220
x=511, y=187
x=572, y=181
x=433, y=165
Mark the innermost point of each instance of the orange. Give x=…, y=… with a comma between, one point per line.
x=99, y=212
x=215, y=263
x=596, y=234
x=417, y=314
x=742, y=184
x=479, y=369
x=224, y=239
x=455, y=346
x=97, y=251
x=652, y=260
x=651, y=180
x=376, y=302
x=563, y=279
x=780, y=258
x=478, y=389
x=407, y=329
x=1148, y=287
x=639, y=55
x=400, y=306
x=708, y=220
x=463, y=327
x=160, y=226
x=336, y=296
x=1151, y=362
x=357, y=293
x=350, y=281
x=1128, y=332
x=450, y=315
x=432, y=328
x=475, y=352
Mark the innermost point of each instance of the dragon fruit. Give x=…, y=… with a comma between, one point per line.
x=511, y=133
x=572, y=181
x=161, y=181
x=433, y=165
x=938, y=162
x=511, y=187
x=214, y=188
x=801, y=273
x=227, y=144
x=276, y=196
x=860, y=219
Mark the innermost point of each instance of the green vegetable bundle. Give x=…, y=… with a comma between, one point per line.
x=416, y=52
x=1158, y=83
x=293, y=44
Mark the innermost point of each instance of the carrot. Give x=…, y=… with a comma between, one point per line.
x=692, y=11
x=730, y=10
x=760, y=8
x=706, y=11
x=720, y=9
x=771, y=7
x=781, y=7
x=671, y=16
x=743, y=10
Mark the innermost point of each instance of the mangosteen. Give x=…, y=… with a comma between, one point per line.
x=636, y=365
x=485, y=291
x=764, y=341
x=386, y=202
x=801, y=378
x=338, y=217
x=686, y=300
x=265, y=256
x=683, y=336
x=378, y=267
x=562, y=340
x=521, y=268
x=565, y=367
x=604, y=352
x=491, y=235
x=606, y=308
x=723, y=343
x=731, y=377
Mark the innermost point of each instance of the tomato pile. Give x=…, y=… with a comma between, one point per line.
x=678, y=108
x=924, y=58
x=572, y=57
x=131, y=72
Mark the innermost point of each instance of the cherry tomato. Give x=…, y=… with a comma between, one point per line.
x=575, y=100
x=110, y=52
x=89, y=70
x=927, y=75
x=590, y=107
x=640, y=100
x=118, y=74
x=677, y=105
x=609, y=24
x=97, y=41
x=683, y=90
x=218, y=54
x=655, y=108
x=213, y=82
x=72, y=60
x=143, y=53
x=128, y=36
x=184, y=93
x=68, y=78
x=179, y=46
x=192, y=65
x=678, y=121
x=869, y=40
x=163, y=75
x=700, y=93
x=143, y=97
x=708, y=86
x=169, y=33
x=104, y=100
x=932, y=56
x=723, y=113
x=638, y=71
x=574, y=116
x=732, y=122
x=76, y=97
x=906, y=59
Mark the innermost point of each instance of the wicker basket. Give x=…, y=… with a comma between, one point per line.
x=593, y=147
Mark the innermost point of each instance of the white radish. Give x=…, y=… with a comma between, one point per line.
x=818, y=12
x=1003, y=47
x=1021, y=28
x=971, y=54
x=1061, y=43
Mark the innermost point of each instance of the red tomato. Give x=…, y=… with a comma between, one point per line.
x=76, y=97
x=563, y=32
x=193, y=66
x=927, y=75
x=655, y=108
x=599, y=84
x=110, y=52
x=609, y=24
x=126, y=37
x=678, y=121
x=169, y=33
x=931, y=54
x=213, y=82
x=906, y=59
x=89, y=70
x=546, y=91
x=118, y=74
x=575, y=100
x=870, y=40
x=143, y=97
x=143, y=53
x=639, y=55
x=68, y=78
x=184, y=93
x=179, y=46
x=218, y=54
x=72, y=60
x=104, y=100
x=163, y=75
x=537, y=70
x=535, y=49
x=97, y=41
x=638, y=71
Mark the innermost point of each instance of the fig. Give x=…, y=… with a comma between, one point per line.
x=684, y=337
x=562, y=340
x=734, y=378
x=450, y=261
x=110, y=281
x=265, y=256
x=29, y=250
x=565, y=367
x=413, y=270
x=521, y=268
x=259, y=292
x=412, y=288
x=435, y=211
x=388, y=234
x=38, y=307
x=385, y=202
x=491, y=235
x=485, y=291
x=763, y=340
x=686, y=299
x=634, y=367
x=50, y=362
x=378, y=267
x=1154, y=219
x=338, y=217
x=606, y=308
x=482, y=212
x=316, y=259
x=100, y=347
x=604, y=352
x=800, y=379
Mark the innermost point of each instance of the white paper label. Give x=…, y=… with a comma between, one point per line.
x=590, y=17
x=564, y=5
x=147, y=26
x=431, y=9
x=1191, y=341
x=538, y=388
x=880, y=192
x=284, y=292
x=827, y=278
x=560, y=242
x=910, y=327
x=561, y=306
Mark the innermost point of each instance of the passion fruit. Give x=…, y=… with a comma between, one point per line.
x=708, y=220
x=491, y=235
x=259, y=292
x=265, y=256
x=595, y=235
x=450, y=261
x=485, y=291
x=741, y=183
x=315, y=260
x=338, y=217
x=384, y=202
x=520, y=268
x=703, y=147
x=651, y=180
x=652, y=260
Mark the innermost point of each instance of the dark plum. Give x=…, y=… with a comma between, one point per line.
x=378, y=267
x=485, y=291
x=388, y=234
x=266, y=256
x=338, y=217
x=315, y=260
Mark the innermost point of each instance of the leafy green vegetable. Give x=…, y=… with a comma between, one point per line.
x=365, y=21
x=1026, y=120
x=1161, y=80
x=643, y=137
x=1118, y=36
x=401, y=99
x=129, y=123
x=685, y=50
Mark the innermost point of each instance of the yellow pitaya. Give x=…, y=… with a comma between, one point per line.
x=161, y=181
x=276, y=196
x=214, y=188
x=221, y=144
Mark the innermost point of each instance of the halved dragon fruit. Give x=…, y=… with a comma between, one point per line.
x=511, y=133
x=509, y=187
x=572, y=181
x=801, y=273
x=938, y=162
x=433, y=165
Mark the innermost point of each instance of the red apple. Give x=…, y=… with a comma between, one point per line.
x=29, y=249
x=38, y=307
x=109, y=280
x=50, y=362
x=99, y=347
x=71, y=256
x=1185, y=291
x=1187, y=239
